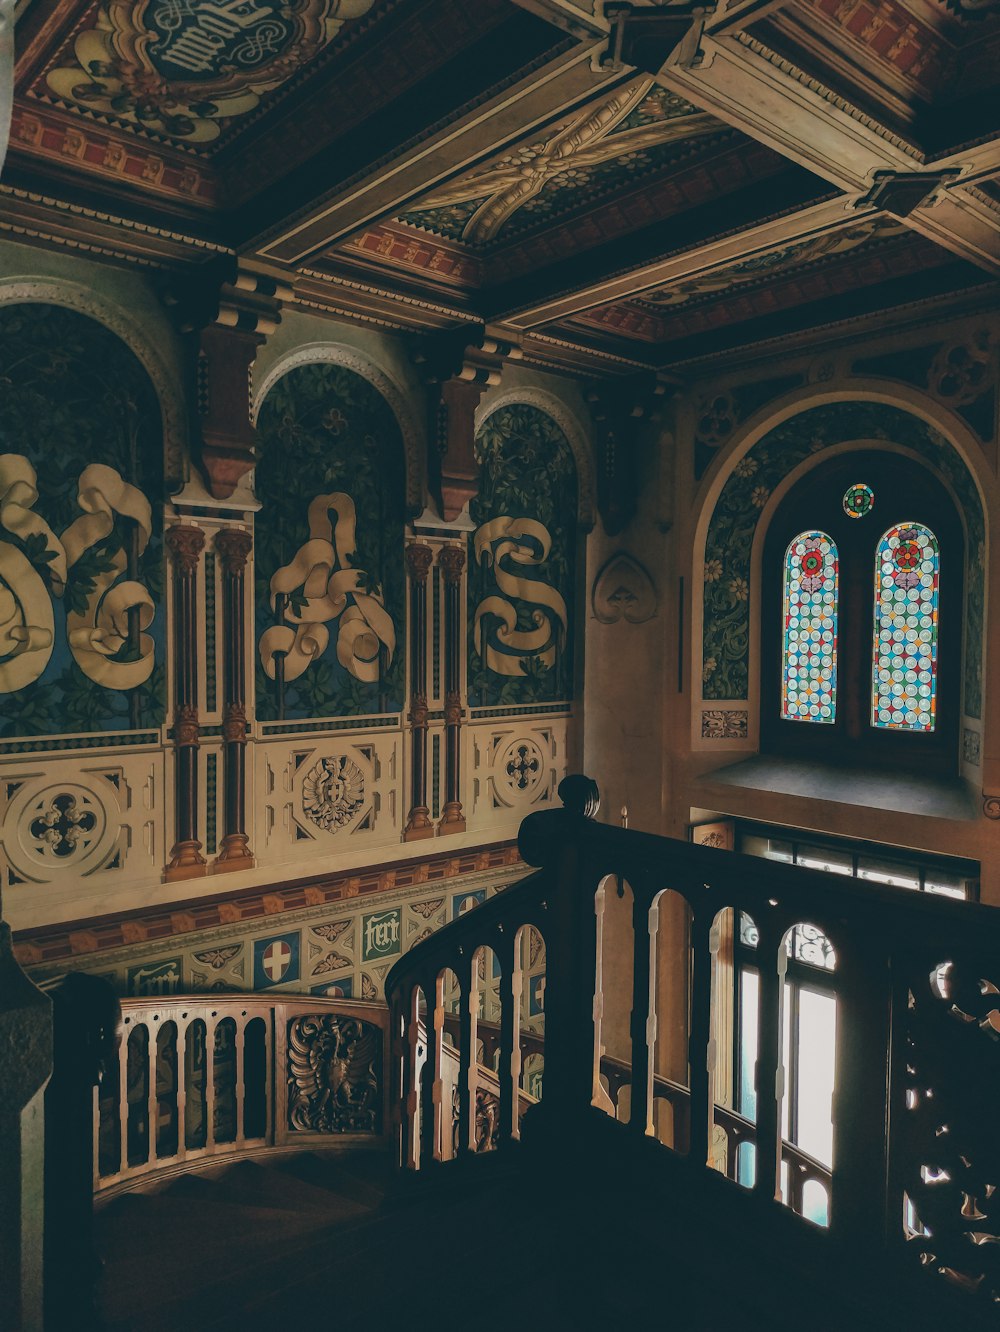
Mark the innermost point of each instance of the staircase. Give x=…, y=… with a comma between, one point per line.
x=256, y=1159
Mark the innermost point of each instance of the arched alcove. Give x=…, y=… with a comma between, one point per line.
x=329, y=546
x=740, y=499
x=81, y=550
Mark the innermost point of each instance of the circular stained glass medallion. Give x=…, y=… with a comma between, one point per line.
x=859, y=500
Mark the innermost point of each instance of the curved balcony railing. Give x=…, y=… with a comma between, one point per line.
x=915, y=1187
x=195, y=1079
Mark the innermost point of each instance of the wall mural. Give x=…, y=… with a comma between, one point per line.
x=726, y=631
x=183, y=68
x=329, y=548
x=81, y=563
x=521, y=565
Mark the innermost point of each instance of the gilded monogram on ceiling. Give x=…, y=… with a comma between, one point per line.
x=185, y=67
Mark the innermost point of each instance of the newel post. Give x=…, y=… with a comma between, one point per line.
x=26, y=1061
x=570, y=932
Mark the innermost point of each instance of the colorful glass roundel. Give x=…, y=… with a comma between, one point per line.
x=859, y=500
x=809, y=659
x=905, y=645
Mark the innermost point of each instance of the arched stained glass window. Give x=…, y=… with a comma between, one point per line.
x=905, y=649
x=809, y=655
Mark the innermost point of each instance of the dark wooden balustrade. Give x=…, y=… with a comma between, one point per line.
x=914, y=1203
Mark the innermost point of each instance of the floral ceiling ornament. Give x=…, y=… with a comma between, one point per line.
x=564, y=158
x=320, y=585
x=522, y=541
x=184, y=67
x=107, y=616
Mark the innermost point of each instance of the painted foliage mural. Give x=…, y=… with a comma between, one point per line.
x=726, y=636
x=81, y=558
x=522, y=561
x=329, y=548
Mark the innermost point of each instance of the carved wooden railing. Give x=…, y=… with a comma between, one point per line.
x=195, y=1079
x=915, y=1185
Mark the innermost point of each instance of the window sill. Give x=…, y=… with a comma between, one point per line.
x=870, y=788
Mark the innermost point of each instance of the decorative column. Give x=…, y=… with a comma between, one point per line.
x=418, y=563
x=185, y=545
x=452, y=562
x=233, y=545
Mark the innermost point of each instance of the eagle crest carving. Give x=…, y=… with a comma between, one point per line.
x=333, y=1083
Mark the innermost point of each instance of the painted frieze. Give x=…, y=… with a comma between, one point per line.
x=81, y=562
x=522, y=559
x=329, y=550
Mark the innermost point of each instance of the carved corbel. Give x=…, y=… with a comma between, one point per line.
x=225, y=313
x=457, y=371
x=622, y=410
x=647, y=36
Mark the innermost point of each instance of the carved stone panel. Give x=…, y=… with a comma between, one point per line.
x=623, y=590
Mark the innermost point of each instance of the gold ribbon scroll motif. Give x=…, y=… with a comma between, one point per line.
x=26, y=619
x=332, y=590
x=499, y=541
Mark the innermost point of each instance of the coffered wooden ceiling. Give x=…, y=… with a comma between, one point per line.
x=611, y=187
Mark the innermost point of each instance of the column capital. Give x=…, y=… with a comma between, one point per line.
x=452, y=562
x=185, y=544
x=419, y=559
x=234, y=545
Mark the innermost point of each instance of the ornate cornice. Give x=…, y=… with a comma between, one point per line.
x=827, y=95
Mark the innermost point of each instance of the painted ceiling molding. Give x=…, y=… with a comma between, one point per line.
x=54, y=291
x=576, y=436
x=184, y=69
x=407, y=416
x=755, y=474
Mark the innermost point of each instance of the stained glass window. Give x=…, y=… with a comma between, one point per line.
x=809, y=659
x=905, y=655
x=859, y=500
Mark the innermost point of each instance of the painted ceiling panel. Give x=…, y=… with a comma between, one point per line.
x=185, y=70
x=598, y=152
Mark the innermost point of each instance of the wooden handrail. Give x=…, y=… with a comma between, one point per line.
x=917, y=985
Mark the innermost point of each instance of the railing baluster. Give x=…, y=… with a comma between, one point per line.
x=430, y=1081
x=701, y=1057
x=509, y=1065
x=182, y=1030
x=240, y=1090
x=468, y=1023
x=861, y=1099
x=123, y=1101
x=645, y=925
x=210, y=1027
x=152, y=1105
x=411, y=1084
x=770, y=1071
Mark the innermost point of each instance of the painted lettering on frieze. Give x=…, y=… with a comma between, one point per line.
x=380, y=935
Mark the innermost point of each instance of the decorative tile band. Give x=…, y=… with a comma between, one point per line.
x=61, y=943
x=334, y=724
x=117, y=740
x=524, y=710
x=211, y=785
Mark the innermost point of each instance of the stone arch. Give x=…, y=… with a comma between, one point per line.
x=742, y=489
x=572, y=428
x=74, y=296
x=335, y=353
